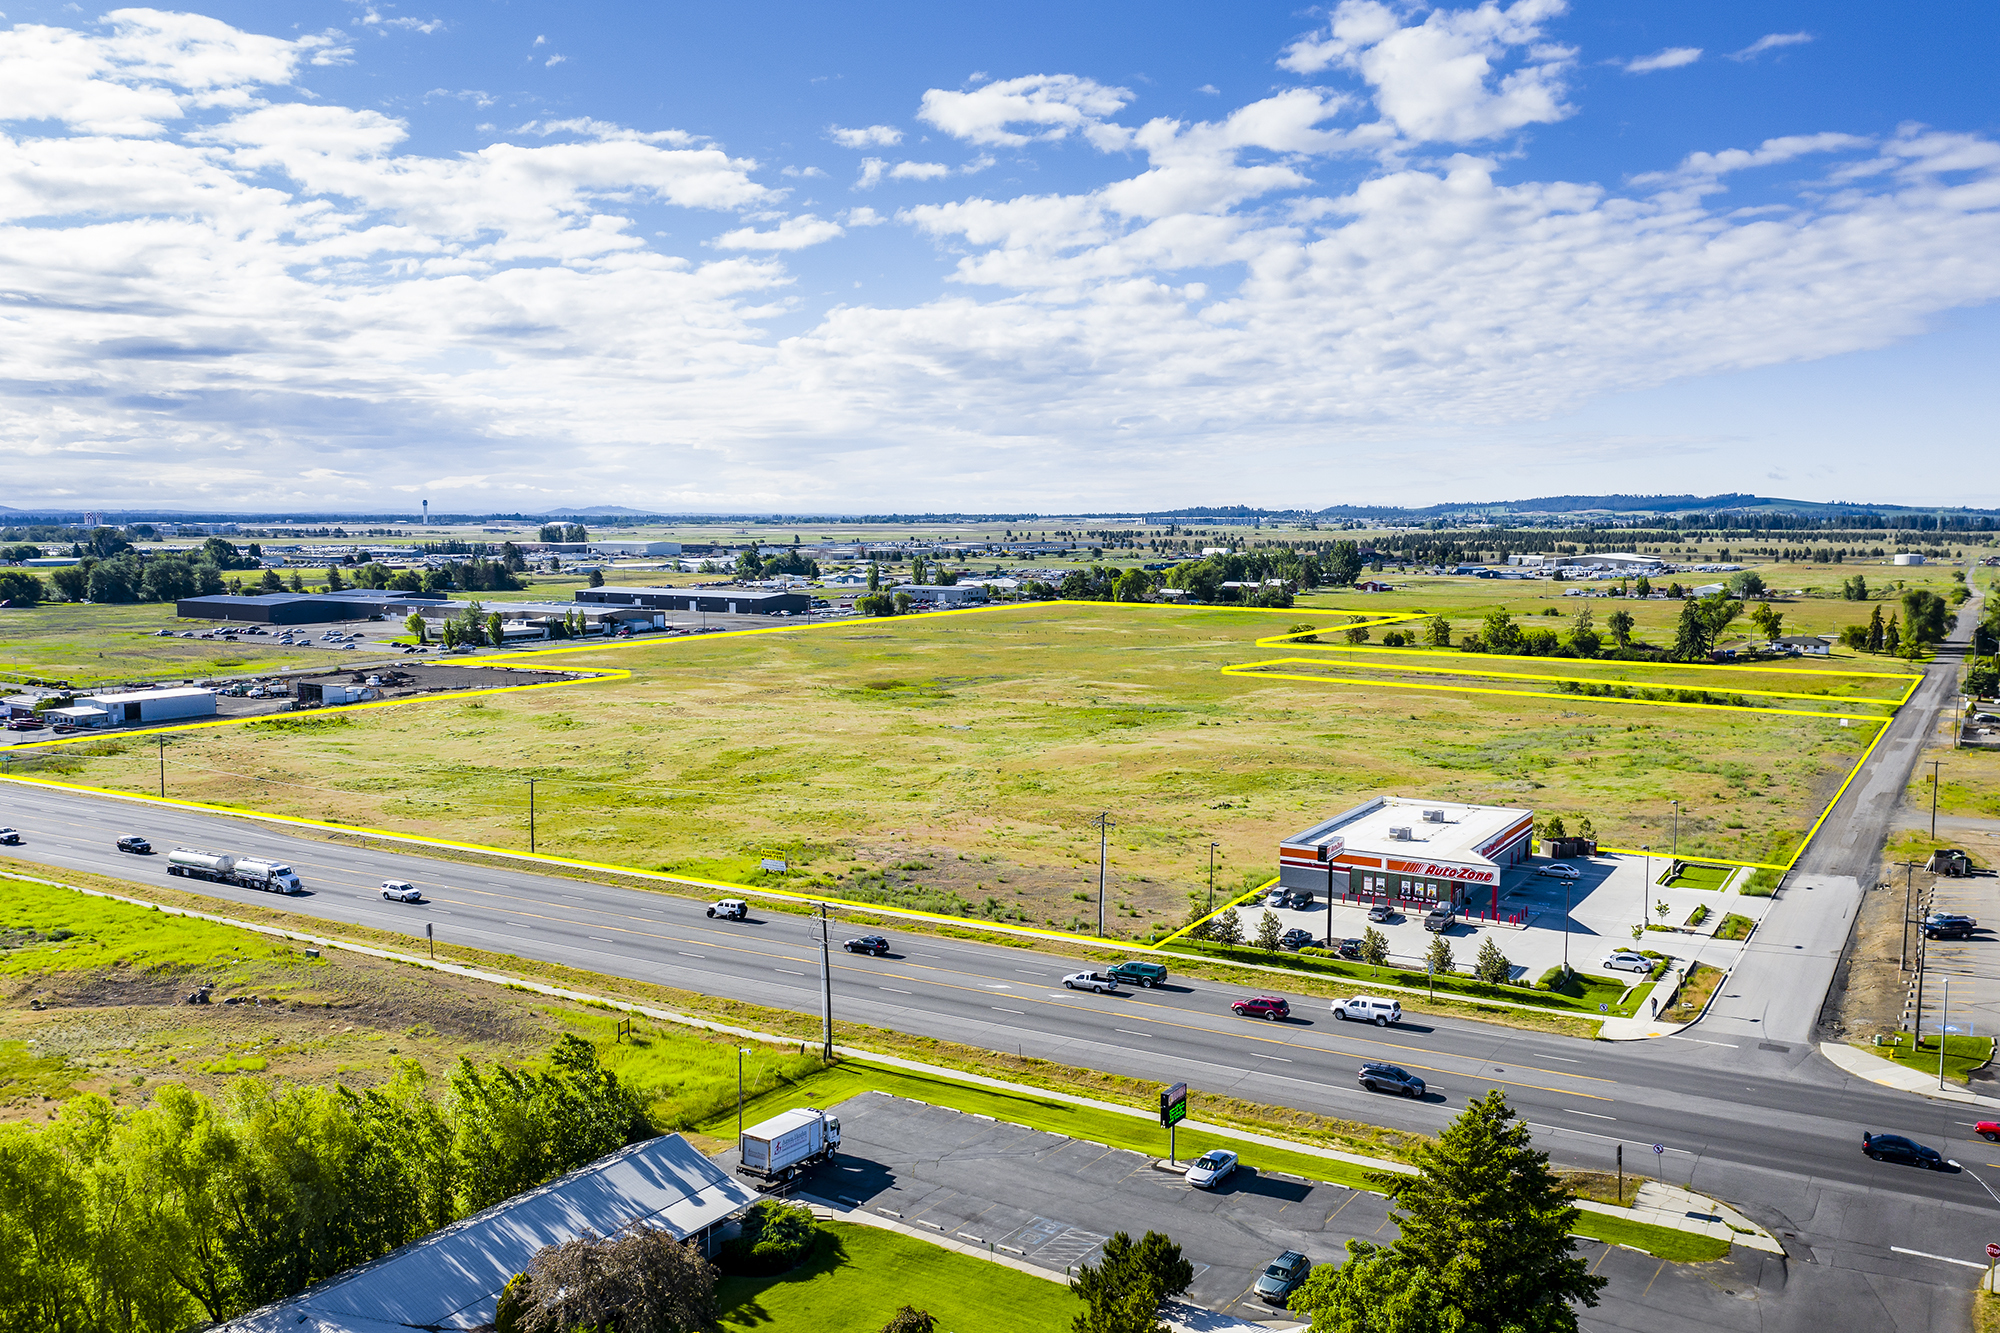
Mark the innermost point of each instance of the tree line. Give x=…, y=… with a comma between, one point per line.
x=189, y=1210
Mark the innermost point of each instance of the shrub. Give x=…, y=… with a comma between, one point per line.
x=1493, y=965
x=1698, y=915
x=777, y=1237
x=1561, y=980
x=909, y=1319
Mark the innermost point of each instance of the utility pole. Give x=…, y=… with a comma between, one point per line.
x=163, y=766
x=1211, y=875
x=531, y=816
x=825, y=989
x=1934, y=794
x=1677, y=830
x=741, y=1051
x=1944, y=1018
x=1909, y=884
x=1644, y=893
x=1917, y=1026
x=1103, y=823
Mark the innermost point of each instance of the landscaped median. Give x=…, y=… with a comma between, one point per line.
x=1137, y=1131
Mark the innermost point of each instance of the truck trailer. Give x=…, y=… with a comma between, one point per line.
x=787, y=1144
x=224, y=868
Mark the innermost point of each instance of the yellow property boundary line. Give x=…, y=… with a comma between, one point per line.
x=612, y=674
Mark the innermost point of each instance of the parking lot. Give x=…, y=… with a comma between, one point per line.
x=1053, y=1201
x=1609, y=896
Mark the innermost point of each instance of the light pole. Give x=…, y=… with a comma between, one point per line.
x=1566, y=884
x=741, y=1051
x=163, y=766
x=1103, y=823
x=1677, y=830
x=826, y=988
x=1644, y=893
x=1211, y=875
x=1944, y=1020
x=1934, y=794
x=531, y=816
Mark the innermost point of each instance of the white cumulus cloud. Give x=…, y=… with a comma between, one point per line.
x=872, y=136
x=1672, y=58
x=1046, y=106
x=791, y=234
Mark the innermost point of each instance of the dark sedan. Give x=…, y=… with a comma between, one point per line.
x=876, y=945
x=1295, y=939
x=1949, y=926
x=132, y=842
x=1896, y=1148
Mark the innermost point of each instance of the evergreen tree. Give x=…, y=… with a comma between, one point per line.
x=1269, y=930
x=1438, y=956
x=1226, y=928
x=1875, y=631
x=1124, y=1291
x=1374, y=947
x=1493, y=966
x=1484, y=1243
x=1691, y=641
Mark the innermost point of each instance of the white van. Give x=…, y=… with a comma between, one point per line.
x=1368, y=1009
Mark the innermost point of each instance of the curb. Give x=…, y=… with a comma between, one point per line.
x=1877, y=1070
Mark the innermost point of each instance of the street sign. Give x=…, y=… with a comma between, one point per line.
x=1659, y=1148
x=1603, y=1008
x=1173, y=1106
x=775, y=866
x=1992, y=1250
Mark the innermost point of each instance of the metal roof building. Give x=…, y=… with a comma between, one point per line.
x=299, y=608
x=451, y=1279
x=728, y=601
x=1420, y=853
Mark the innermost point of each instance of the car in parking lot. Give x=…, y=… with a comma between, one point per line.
x=133, y=843
x=25, y=724
x=1624, y=960
x=1378, y=1077
x=1211, y=1168
x=729, y=909
x=401, y=891
x=874, y=945
x=1896, y=1148
x=9, y=836
x=1273, y=1007
x=1274, y=1286
x=1090, y=981
x=1348, y=948
x=1439, y=919
x=1557, y=870
x=1381, y=912
x=1949, y=926
x=1295, y=938
x=1368, y=1009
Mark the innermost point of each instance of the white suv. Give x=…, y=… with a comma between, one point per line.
x=729, y=909
x=1368, y=1009
x=401, y=891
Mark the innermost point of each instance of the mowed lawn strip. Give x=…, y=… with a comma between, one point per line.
x=1139, y=1134
x=860, y=1276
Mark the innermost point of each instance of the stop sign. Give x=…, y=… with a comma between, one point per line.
x=1992, y=1250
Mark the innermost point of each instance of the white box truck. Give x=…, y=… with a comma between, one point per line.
x=787, y=1144
x=223, y=868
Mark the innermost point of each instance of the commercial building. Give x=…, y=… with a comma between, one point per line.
x=154, y=705
x=531, y=619
x=1900, y=558
x=720, y=601
x=301, y=608
x=636, y=548
x=1411, y=854
x=1622, y=561
x=451, y=1279
x=944, y=594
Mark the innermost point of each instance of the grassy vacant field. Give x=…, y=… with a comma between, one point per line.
x=1968, y=783
x=954, y=762
x=88, y=645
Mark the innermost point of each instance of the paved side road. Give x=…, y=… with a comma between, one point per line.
x=1052, y=1201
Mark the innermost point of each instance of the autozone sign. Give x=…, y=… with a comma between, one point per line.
x=1425, y=870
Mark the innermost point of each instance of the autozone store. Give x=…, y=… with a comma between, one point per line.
x=1411, y=854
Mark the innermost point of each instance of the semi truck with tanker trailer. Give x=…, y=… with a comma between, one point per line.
x=224, y=868
x=784, y=1145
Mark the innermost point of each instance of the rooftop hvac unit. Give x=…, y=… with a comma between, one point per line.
x=1434, y=816
x=1400, y=834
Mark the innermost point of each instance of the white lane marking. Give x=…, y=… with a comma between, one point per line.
x=1564, y=1058
x=893, y=990
x=998, y=1010
x=1279, y=1058
x=788, y=972
x=1941, y=1258
x=1130, y=1033
x=1699, y=1042
x=600, y=939
x=685, y=954
x=1592, y=1114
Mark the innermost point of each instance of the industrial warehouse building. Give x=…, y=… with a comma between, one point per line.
x=301, y=608
x=451, y=1279
x=1416, y=854
x=153, y=705
x=721, y=601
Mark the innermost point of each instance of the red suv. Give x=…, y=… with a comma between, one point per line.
x=1263, y=1006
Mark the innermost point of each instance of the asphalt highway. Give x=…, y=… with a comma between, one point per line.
x=1586, y=1096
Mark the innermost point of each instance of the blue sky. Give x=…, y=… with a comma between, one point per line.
x=1042, y=256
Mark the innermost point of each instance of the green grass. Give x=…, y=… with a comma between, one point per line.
x=968, y=785
x=1680, y=1247
x=1962, y=1055
x=88, y=645
x=1693, y=876
x=47, y=930
x=1588, y=994
x=25, y=1072
x=861, y=1275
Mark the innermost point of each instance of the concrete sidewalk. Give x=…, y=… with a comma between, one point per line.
x=1875, y=1069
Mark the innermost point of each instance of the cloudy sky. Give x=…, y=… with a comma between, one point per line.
x=346, y=255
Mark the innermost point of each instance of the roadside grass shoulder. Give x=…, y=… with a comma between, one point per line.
x=47, y=930
x=1678, y=1247
x=860, y=1276
x=1592, y=990
x=1962, y=1054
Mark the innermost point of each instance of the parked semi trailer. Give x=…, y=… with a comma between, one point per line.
x=223, y=868
x=787, y=1144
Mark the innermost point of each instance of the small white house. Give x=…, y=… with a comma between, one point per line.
x=1806, y=644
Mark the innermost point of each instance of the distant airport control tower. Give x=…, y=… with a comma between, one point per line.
x=427, y=513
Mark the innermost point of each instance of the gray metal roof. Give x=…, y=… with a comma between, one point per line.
x=452, y=1277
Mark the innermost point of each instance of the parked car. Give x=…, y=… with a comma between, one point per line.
x=1273, y=1007
x=1279, y=898
x=1391, y=1078
x=1302, y=898
x=133, y=843
x=401, y=891
x=1949, y=926
x=1896, y=1148
x=1624, y=960
x=1349, y=948
x=25, y=724
x=1439, y=919
x=9, y=836
x=1558, y=870
x=1295, y=939
x=1285, y=1272
x=1211, y=1168
x=1368, y=1009
x=1090, y=981
x=1381, y=912
x=729, y=909
x=875, y=945
x=1133, y=972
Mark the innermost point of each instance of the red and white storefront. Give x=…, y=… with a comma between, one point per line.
x=1413, y=855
